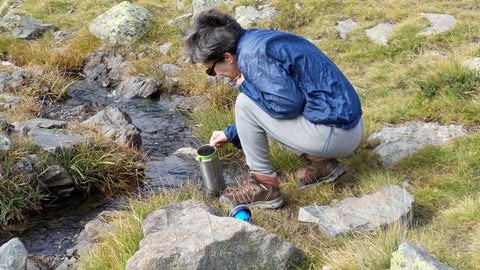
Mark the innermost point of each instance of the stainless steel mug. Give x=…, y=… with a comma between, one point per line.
x=210, y=167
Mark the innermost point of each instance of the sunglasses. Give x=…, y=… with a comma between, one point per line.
x=211, y=70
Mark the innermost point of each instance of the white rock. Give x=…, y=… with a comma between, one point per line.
x=380, y=33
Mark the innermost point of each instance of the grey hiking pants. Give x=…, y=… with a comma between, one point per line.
x=298, y=135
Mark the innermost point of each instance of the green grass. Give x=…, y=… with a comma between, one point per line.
x=414, y=78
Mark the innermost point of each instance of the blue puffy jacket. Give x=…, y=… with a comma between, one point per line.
x=286, y=75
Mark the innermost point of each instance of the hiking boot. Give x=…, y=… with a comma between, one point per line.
x=258, y=190
x=318, y=171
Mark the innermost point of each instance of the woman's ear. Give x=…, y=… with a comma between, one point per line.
x=229, y=58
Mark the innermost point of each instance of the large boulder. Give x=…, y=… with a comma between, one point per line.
x=121, y=24
x=13, y=255
x=12, y=80
x=138, y=87
x=193, y=235
x=409, y=256
x=363, y=215
x=104, y=67
x=380, y=33
x=116, y=125
x=398, y=142
x=25, y=27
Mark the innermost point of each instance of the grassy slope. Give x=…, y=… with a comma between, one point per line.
x=413, y=78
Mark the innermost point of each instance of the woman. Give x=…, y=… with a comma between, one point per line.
x=289, y=91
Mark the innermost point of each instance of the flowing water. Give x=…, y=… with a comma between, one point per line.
x=163, y=130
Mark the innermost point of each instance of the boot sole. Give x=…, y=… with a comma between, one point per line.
x=273, y=204
x=332, y=177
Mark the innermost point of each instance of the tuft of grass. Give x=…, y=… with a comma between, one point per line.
x=119, y=245
x=462, y=84
x=98, y=165
x=19, y=193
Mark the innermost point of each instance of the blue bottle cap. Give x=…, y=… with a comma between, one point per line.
x=242, y=212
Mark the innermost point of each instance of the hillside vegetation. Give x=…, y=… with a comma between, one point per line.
x=415, y=77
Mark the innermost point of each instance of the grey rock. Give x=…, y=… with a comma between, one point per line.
x=121, y=24
x=43, y=123
x=9, y=5
x=186, y=153
x=193, y=235
x=24, y=166
x=25, y=27
x=440, y=23
x=410, y=256
x=164, y=48
x=345, y=26
x=63, y=35
x=190, y=104
x=398, y=142
x=179, y=19
x=13, y=255
x=201, y=5
x=88, y=92
x=56, y=176
x=8, y=102
x=170, y=71
x=5, y=144
x=53, y=140
x=93, y=231
x=12, y=80
x=138, y=86
x=104, y=67
x=247, y=15
x=116, y=125
x=363, y=215
x=380, y=33
x=473, y=64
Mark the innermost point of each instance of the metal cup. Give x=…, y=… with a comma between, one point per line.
x=210, y=167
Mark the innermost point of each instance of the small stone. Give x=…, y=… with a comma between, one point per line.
x=164, y=48
x=5, y=144
x=380, y=33
x=344, y=27
x=13, y=255
x=440, y=23
x=409, y=256
x=246, y=15
x=473, y=64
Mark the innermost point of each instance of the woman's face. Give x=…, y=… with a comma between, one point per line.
x=226, y=67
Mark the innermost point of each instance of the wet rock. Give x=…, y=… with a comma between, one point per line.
x=473, y=64
x=116, y=125
x=138, y=86
x=440, y=23
x=247, y=15
x=398, y=142
x=63, y=35
x=24, y=166
x=8, y=102
x=12, y=80
x=194, y=235
x=190, y=104
x=88, y=92
x=345, y=26
x=104, y=67
x=186, y=153
x=171, y=72
x=410, y=256
x=25, y=27
x=363, y=215
x=43, y=123
x=121, y=24
x=201, y=5
x=164, y=48
x=93, y=232
x=13, y=255
x=5, y=144
x=380, y=33
x=57, y=180
x=53, y=140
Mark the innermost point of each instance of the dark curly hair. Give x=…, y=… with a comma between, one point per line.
x=213, y=34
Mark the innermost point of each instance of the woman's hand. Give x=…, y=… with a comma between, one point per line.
x=218, y=139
